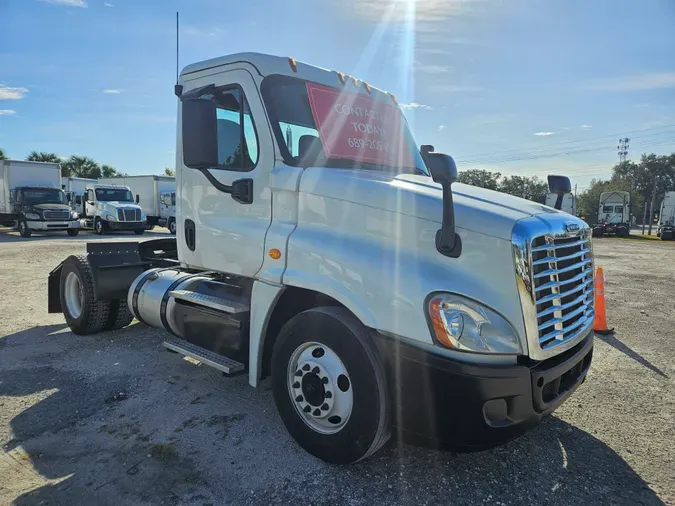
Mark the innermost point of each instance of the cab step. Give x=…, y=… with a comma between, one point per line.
x=227, y=365
x=219, y=304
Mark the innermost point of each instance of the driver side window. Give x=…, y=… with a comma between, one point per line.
x=237, y=141
x=90, y=195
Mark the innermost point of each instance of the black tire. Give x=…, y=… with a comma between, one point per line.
x=622, y=232
x=149, y=227
x=99, y=226
x=172, y=226
x=94, y=313
x=72, y=232
x=139, y=231
x=597, y=232
x=367, y=428
x=120, y=316
x=23, y=228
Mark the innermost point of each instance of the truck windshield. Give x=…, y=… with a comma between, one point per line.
x=113, y=194
x=324, y=126
x=46, y=196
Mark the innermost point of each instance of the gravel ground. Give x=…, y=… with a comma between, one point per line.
x=114, y=419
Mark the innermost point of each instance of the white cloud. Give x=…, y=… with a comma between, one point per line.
x=67, y=3
x=7, y=112
x=644, y=82
x=7, y=93
x=566, y=128
x=108, y=4
x=441, y=128
x=112, y=92
x=586, y=127
x=543, y=134
x=414, y=105
x=433, y=69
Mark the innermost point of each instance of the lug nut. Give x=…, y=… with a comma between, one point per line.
x=324, y=407
x=305, y=367
x=298, y=372
x=316, y=370
x=328, y=395
x=296, y=384
x=307, y=409
x=324, y=380
x=316, y=412
x=299, y=398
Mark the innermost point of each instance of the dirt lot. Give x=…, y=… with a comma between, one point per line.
x=115, y=419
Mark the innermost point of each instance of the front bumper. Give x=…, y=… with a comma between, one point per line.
x=443, y=402
x=126, y=225
x=52, y=225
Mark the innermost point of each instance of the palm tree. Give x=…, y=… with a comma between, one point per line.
x=2, y=155
x=109, y=171
x=43, y=156
x=82, y=166
x=169, y=171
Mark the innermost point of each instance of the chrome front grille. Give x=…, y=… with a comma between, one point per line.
x=56, y=214
x=562, y=270
x=554, y=267
x=129, y=214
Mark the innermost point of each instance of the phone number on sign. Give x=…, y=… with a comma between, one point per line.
x=368, y=144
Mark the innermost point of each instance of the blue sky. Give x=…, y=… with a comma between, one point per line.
x=519, y=86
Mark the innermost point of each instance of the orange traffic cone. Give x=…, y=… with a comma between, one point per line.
x=600, y=323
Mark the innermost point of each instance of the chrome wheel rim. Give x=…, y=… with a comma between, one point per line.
x=172, y=227
x=99, y=226
x=74, y=295
x=320, y=387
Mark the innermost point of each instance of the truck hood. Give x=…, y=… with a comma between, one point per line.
x=476, y=209
x=113, y=204
x=45, y=207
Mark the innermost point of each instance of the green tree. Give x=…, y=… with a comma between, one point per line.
x=480, y=177
x=530, y=188
x=43, y=156
x=82, y=166
x=109, y=171
x=3, y=156
x=169, y=172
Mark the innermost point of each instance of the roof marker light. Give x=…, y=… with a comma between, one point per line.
x=293, y=64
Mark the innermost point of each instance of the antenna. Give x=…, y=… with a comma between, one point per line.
x=177, y=89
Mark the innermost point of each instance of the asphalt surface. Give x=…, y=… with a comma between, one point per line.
x=114, y=419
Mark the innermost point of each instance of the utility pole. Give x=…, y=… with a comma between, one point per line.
x=622, y=149
x=651, y=205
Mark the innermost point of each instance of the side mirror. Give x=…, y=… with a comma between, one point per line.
x=199, y=133
x=138, y=199
x=69, y=197
x=444, y=171
x=560, y=185
x=78, y=200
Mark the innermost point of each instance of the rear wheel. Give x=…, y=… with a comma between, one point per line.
x=72, y=232
x=149, y=227
x=99, y=227
x=83, y=313
x=329, y=386
x=23, y=228
x=120, y=316
x=139, y=231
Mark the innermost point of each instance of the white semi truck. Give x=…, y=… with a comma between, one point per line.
x=666, y=229
x=380, y=297
x=31, y=198
x=110, y=208
x=75, y=188
x=148, y=191
x=613, y=214
x=168, y=211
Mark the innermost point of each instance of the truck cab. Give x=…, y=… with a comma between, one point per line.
x=666, y=228
x=613, y=214
x=111, y=208
x=167, y=211
x=318, y=245
x=43, y=209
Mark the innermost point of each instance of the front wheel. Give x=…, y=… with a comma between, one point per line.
x=72, y=232
x=172, y=226
x=23, y=229
x=139, y=231
x=329, y=386
x=99, y=227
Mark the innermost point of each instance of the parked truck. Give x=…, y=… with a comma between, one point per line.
x=666, y=228
x=168, y=211
x=75, y=188
x=381, y=297
x=613, y=214
x=31, y=198
x=569, y=202
x=147, y=191
x=111, y=208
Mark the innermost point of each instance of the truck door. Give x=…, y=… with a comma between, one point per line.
x=90, y=204
x=214, y=230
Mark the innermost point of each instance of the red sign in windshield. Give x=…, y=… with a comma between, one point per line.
x=358, y=127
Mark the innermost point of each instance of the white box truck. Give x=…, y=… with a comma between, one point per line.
x=666, y=229
x=379, y=296
x=75, y=187
x=613, y=214
x=147, y=191
x=31, y=198
x=569, y=203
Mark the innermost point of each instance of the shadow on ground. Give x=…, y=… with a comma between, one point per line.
x=63, y=438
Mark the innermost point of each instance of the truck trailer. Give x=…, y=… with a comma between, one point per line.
x=147, y=191
x=31, y=198
x=381, y=297
x=666, y=228
x=613, y=214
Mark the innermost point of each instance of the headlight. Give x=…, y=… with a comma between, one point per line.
x=110, y=217
x=463, y=324
x=74, y=215
x=33, y=216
